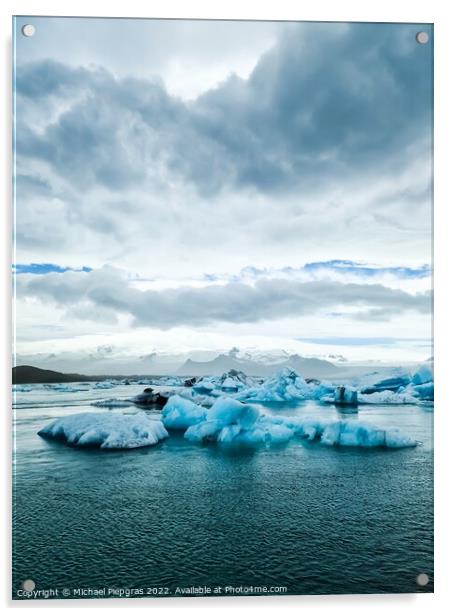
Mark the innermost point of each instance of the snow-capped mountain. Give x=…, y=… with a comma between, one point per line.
x=255, y=366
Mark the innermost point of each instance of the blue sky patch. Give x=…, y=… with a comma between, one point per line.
x=46, y=268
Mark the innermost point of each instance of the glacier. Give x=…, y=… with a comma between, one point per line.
x=106, y=430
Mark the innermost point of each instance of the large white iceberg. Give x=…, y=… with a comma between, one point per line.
x=106, y=430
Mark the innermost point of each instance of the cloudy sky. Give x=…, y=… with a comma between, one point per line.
x=185, y=187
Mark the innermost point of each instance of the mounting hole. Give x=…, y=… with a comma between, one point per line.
x=28, y=30
x=422, y=579
x=422, y=37
x=28, y=585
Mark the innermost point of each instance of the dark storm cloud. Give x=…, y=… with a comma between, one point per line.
x=328, y=101
x=47, y=78
x=108, y=290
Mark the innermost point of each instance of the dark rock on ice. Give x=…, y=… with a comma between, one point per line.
x=152, y=399
x=344, y=396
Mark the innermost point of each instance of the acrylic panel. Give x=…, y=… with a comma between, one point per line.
x=223, y=367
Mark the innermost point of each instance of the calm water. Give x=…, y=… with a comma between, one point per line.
x=312, y=518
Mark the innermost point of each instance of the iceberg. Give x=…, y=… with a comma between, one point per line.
x=204, y=386
x=387, y=397
x=393, y=383
x=231, y=422
x=104, y=385
x=229, y=384
x=64, y=387
x=287, y=385
x=106, y=430
x=233, y=380
x=227, y=411
x=362, y=434
x=426, y=391
x=261, y=433
x=346, y=433
x=180, y=413
x=401, y=388
x=423, y=374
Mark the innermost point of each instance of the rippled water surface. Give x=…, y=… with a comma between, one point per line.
x=315, y=519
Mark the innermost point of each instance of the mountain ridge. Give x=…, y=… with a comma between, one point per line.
x=308, y=367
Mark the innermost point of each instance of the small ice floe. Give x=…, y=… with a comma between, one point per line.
x=22, y=388
x=204, y=386
x=387, y=397
x=104, y=385
x=65, y=387
x=112, y=403
x=106, y=430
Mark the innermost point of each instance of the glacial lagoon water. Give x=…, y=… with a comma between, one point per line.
x=311, y=518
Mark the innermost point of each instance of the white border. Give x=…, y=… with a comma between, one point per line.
x=436, y=11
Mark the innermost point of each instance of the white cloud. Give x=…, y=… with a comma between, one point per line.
x=317, y=149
